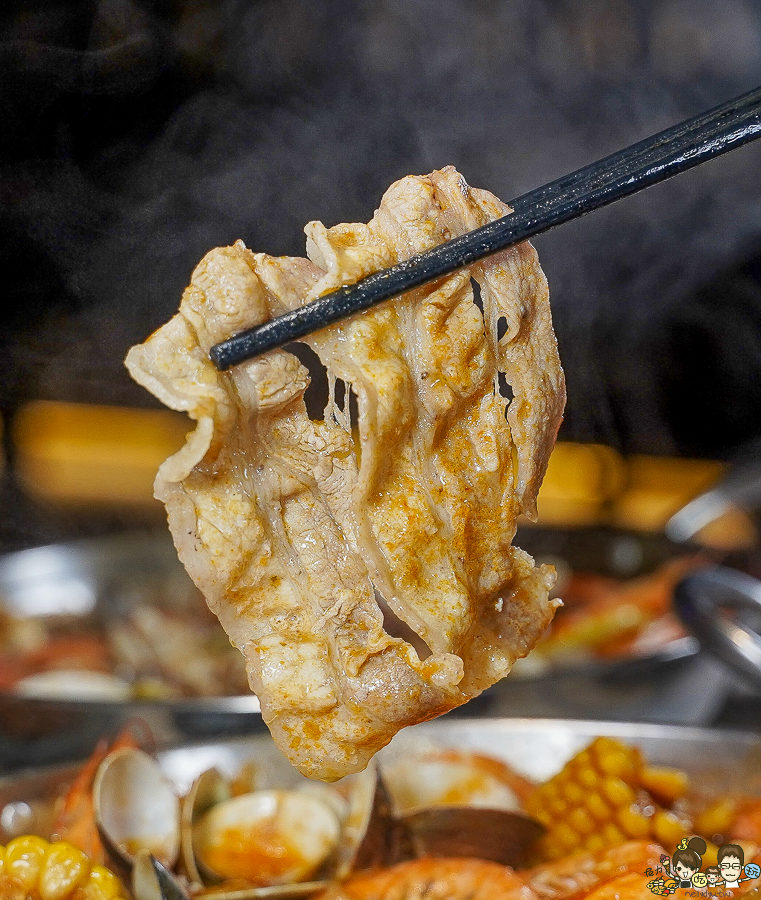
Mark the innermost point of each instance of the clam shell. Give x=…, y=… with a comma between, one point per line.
x=328, y=795
x=74, y=684
x=270, y=837
x=271, y=892
x=136, y=808
x=453, y=779
x=210, y=788
x=370, y=836
x=499, y=835
x=153, y=881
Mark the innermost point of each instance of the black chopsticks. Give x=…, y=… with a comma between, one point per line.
x=623, y=173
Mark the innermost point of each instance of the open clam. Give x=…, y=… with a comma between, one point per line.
x=266, y=837
x=454, y=778
x=136, y=808
x=281, y=844
x=456, y=803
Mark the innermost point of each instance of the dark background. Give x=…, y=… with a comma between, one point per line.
x=135, y=136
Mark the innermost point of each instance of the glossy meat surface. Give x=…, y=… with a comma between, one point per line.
x=290, y=526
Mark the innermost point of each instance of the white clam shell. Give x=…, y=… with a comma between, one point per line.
x=136, y=808
x=448, y=782
x=74, y=684
x=270, y=837
x=328, y=794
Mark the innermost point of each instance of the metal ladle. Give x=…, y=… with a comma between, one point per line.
x=722, y=608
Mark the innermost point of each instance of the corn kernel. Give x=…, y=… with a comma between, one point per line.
x=666, y=785
x=64, y=868
x=594, y=843
x=588, y=777
x=598, y=807
x=542, y=815
x=668, y=829
x=101, y=885
x=633, y=823
x=618, y=792
x=602, y=744
x=574, y=793
x=23, y=860
x=717, y=818
x=581, y=822
x=612, y=835
x=30, y=867
x=550, y=794
x=565, y=837
x=552, y=851
x=617, y=762
x=558, y=808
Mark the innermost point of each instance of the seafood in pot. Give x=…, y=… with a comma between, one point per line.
x=435, y=879
x=290, y=526
x=260, y=843
x=289, y=841
x=136, y=808
x=591, y=808
x=455, y=778
x=267, y=837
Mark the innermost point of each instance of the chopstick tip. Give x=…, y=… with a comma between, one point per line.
x=221, y=356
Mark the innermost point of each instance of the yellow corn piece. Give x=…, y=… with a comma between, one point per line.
x=612, y=835
x=717, y=818
x=581, y=822
x=599, y=807
x=615, y=759
x=605, y=796
x=64, y=868
x=594, y=843
x=617, y=792
x=32, y=867
x=633, y=823
x=666, y=785
x=101, y=885
x=668, y=828
x=23, y=860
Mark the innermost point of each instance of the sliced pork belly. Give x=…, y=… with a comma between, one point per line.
x=293, y=527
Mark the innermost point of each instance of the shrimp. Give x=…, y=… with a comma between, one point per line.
x=75, y=818
x=601, y=876
x=631, y=886
x=747, y=823
x=428, y=878
x=576, y=875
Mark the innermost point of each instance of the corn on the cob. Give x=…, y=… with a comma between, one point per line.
x=604, y=796
x=33, y=869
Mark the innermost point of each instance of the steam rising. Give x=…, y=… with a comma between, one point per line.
x=136, y=140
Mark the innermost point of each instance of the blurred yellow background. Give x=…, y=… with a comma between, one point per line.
x=79, y=454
